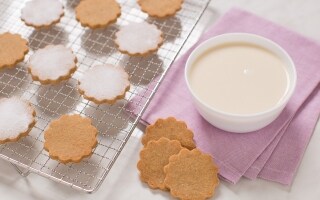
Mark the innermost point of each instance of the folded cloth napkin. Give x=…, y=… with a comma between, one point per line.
x=274, y=162
x=273, y=152
x=285, y=158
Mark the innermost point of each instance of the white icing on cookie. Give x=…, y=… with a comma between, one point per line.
x=104, y=82
x=42, y=12
x=138, y=38
x=52, y=62
x=15, y=117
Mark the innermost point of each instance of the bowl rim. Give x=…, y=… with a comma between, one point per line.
x=286, y=56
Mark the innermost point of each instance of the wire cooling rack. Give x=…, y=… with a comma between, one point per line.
x=115, y=123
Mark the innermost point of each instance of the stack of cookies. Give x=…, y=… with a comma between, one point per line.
x=170, y=161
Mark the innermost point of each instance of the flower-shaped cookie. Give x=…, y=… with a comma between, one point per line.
x=42, y=13
x=104, y=84
x=153, y=158
x=169, y=128
x=160, y=8
x=52, y=64
x=97, y=13
x=191, y=175
x=139, y=39
x=13, y=48
x=70, y=138
x=17, y=118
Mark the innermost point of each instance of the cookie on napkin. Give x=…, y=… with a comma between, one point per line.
x=153, y=158
x=42, y=13
x=13, y=49
x=17, y=118
x=172, y=129
x=70, y=138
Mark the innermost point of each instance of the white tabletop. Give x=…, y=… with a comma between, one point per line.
x=123, y=181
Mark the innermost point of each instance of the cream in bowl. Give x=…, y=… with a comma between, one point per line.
x=240, y=82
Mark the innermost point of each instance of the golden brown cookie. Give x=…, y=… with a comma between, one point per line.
x=104, y=84
x=191, y=175
x=160, y=8
x=17, y=118
x=42, y=13
x=13, y=48
x=70, y=138
x=97, y=13
x=172, y=129
x=52, y=64
x=139, y=39
x=153, y=158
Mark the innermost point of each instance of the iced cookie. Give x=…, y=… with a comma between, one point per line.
x=160, y=8
x=97, y=13
x=52, y=64
x=153, y=158
x=172, y=129
x=13, y=48
x=191, y=175
x=139, y=39
x=70, y=138
x=17, y=118
x=104, y=84
x=42, y=13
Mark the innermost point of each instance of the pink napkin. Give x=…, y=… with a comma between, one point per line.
x=273, y=152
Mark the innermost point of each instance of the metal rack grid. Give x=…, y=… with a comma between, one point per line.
x=115, y=123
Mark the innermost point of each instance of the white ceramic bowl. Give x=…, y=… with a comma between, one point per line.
x=236, y=122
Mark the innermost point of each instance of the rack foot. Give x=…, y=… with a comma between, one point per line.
x=21, y=172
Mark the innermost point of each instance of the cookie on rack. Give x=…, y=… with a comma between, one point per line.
x=104, y=84
x=139, y=39
x=160, y=8
x=70, y=138
x=42, y=13
x=153, y=158
x=172, y=129
x=191, y=175
x=17, y=117
x=13, y=49
x=52, y=64
x=97, y=13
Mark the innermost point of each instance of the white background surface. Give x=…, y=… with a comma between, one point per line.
x=123, y=181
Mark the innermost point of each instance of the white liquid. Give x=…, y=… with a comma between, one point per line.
x=239, y=78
